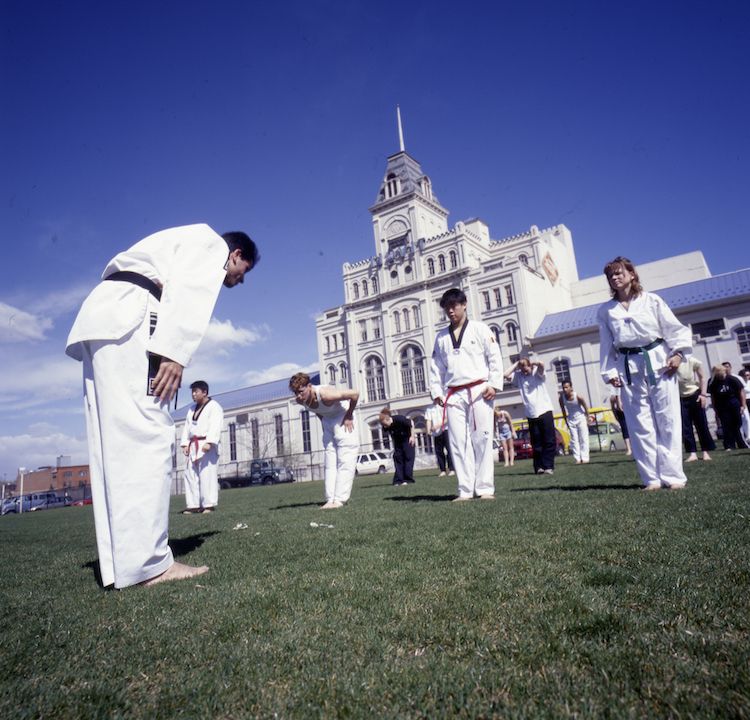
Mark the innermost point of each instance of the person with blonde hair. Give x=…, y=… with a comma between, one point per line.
x=506, y=435
x=642, y=344
x=335, y=408
x=576, y=413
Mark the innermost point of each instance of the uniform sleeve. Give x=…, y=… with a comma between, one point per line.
x=607, y=351
x=676, y=335
x=494, y=360
x=189, y=295
x=185, y=438
x=215, y=423
x=437, y=371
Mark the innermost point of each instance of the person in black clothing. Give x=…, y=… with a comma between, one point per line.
x=400, y=429
x=728, y=399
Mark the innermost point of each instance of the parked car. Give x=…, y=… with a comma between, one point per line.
x=524, y=449
x=45, y=501
x=376, y=462
x=521, y=445
x=262, y=472
x=10, y=505
x=605, y=436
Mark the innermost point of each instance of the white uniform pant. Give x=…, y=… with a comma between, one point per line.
x=579, y=438
x=340, y=464
x=202, y=480
x=471, y=424
x=655, y=424
x=131, y=440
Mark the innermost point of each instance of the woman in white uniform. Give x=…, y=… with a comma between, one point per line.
x=576, y=414
x=641, y=346
x=335, y=408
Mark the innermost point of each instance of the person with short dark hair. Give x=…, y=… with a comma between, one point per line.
x=335, y=408
x=728, y=399
x=641, y=345
x=135, y=333
x=401, y=430
x=576, y=413
x=465, y=373
x=201, y=434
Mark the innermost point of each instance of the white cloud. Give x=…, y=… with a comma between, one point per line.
x=223, y=336
x=38, y=380
x=17, y=326
x=276, y=372
x=59, y=302
x=33, y=450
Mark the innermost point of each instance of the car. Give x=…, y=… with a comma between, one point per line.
x=375, y=462
x=605, y=436
x=10, y=505
x=262, y=472
x=45, y=501
x=521, y=446
x=524, y=449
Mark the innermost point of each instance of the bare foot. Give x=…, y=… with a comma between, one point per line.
x=327, y=506
x=177, y=571
x=461, y=499
x=706, y=456
x=691, y=458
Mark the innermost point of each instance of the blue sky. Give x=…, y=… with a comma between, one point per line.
x=628, y=122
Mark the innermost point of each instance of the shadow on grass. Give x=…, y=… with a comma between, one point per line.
x=296, y=505
x=421, y=498
x=578, y=488
x=180, y=547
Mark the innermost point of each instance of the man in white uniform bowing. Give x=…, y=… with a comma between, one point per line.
x=465, y=373
x=135, y=333
x=200, y=444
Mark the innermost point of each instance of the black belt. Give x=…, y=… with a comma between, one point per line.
x=641, y=351
x=136, y=279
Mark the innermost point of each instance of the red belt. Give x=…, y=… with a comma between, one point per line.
x=455, y=389
x=194, y=441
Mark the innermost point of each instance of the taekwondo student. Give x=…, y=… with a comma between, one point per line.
x=335, y=408
x=576, y=414
x=201, y=434
x=466, y=362
x=641, y=346
x=135, y=333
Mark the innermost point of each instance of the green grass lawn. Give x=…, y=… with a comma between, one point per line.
x=570, y=596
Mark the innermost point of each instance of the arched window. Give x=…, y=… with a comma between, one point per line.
x=374, y=281
x=412, y=370
x=562, y=370
x=511, y=330
x=342, y=373
x=453, y=259
x=391, y=185
x=331, y=370
x=365, y=289
x=374, y=379
x=441, y=262
x=417, y=316
x=407, y=322
x=328, y=344
x=396, y=322
x=430, y=266
x=523, y=259
x=380, y=438
x=496, y=332
x=355, y=290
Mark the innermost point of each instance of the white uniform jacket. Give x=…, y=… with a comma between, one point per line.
x=474, y=356
x=188, y=263
x=647, y=319
x=207, y=425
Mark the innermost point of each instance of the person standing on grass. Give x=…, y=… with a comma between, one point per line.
x=728, y=399
x=401, y=430
x=506, y=434
x=439, y=432
x=335, y=408
x=642, y=344
x=531, y=382
x=693, y=395
x=466, y=361
x=576, y=414
x=200, y=444
x=135, y=333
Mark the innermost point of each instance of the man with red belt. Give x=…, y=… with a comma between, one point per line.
x=465, y=373
x=200, y=443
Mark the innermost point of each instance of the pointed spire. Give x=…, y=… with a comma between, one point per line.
x=400, y=129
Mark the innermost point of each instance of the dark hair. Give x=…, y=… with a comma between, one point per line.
x=247, y=247
x=385, y=411
x=200, y=385
x=298, y=380
x=454, y=296
x=622, y=262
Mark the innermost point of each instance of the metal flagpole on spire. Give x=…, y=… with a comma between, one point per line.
x=400, y=129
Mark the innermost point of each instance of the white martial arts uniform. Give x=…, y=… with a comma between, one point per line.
x=131, y=434
x=651, y=401
x=202, y=425
x=473, y=358
x=578, y=423
x=341, y=447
